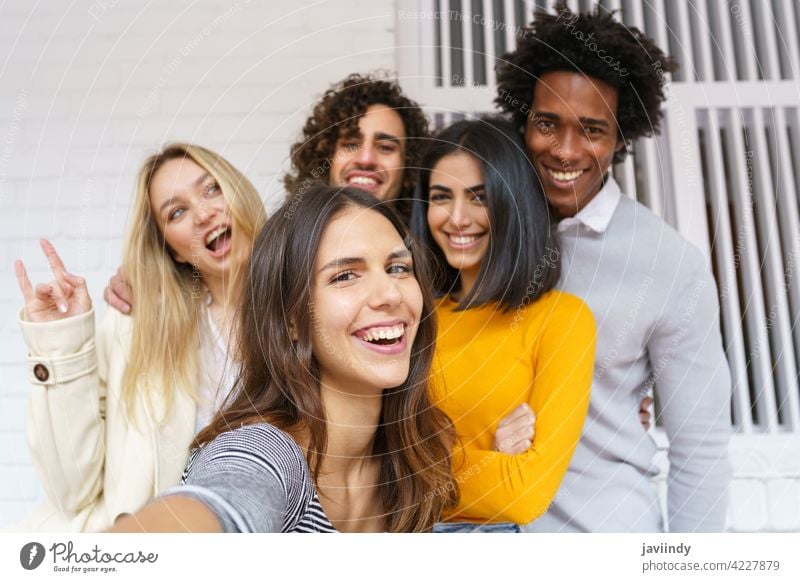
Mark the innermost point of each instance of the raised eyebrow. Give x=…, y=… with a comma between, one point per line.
x=202, y=179
x=473, y=189
x=342, y=262
x=168, y=203
x=440, y=187
x=593, y=121
x=198, y=182
x=387, y=137
x=400, y=254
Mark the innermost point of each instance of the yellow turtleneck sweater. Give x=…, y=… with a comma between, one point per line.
x=489, y=362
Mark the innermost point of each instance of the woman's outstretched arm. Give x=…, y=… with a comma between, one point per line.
x=173, y=514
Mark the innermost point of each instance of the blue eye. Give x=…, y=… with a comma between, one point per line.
x=399, y=269
x=177, y=213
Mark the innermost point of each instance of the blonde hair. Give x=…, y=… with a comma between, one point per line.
x=166, y=302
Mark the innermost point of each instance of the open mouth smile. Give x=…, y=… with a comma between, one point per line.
x=218, y=241
x=464, y=241
x=364, y=181
x=564, y=178
x=383, y=339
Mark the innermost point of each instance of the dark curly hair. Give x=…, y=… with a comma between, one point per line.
x=336, y=116
x=568, y=41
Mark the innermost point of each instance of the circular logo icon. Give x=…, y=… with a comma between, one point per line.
x=31, y=555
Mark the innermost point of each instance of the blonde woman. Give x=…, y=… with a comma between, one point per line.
x=112, y=415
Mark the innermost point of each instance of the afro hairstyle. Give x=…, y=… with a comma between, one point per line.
x=594, y=44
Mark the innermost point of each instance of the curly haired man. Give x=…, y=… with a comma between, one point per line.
x=363, y=132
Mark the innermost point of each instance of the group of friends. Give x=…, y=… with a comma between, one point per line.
x=442, y=332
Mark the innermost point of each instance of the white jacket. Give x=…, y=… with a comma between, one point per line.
x=94, y=462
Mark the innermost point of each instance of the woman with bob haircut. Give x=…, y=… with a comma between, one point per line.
x=112, y=416
x=509, y=345
x=330, y=424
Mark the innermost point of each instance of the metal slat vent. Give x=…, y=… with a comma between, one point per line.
x=752, y=209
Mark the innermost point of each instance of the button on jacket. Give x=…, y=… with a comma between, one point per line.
x=94, y=462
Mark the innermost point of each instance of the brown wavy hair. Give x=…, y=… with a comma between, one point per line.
x=279, y=380
x=336, y=116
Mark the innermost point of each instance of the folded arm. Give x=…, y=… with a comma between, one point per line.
x=519, y=488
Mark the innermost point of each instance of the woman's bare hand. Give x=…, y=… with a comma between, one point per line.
x=515, y=432
x=65, y=296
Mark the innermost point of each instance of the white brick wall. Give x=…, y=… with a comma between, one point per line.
x=88, y=89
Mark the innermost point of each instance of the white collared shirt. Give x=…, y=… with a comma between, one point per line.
x=217, y=373
x=597, y=214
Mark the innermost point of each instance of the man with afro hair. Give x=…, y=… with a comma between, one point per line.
x=364, y=132
x=580, y=87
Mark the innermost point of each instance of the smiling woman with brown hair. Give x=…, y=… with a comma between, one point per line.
x=334, y=426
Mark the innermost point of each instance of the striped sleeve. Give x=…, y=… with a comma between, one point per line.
x=254, y=478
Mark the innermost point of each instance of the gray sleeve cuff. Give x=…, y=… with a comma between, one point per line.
x=229, y=518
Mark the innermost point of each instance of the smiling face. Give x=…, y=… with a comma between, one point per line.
x=374, y=160
x=458, y=218
x=194, y=219
x=366, y=304
x=571, y=137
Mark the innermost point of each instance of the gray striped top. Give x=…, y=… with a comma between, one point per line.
x=255, y=479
